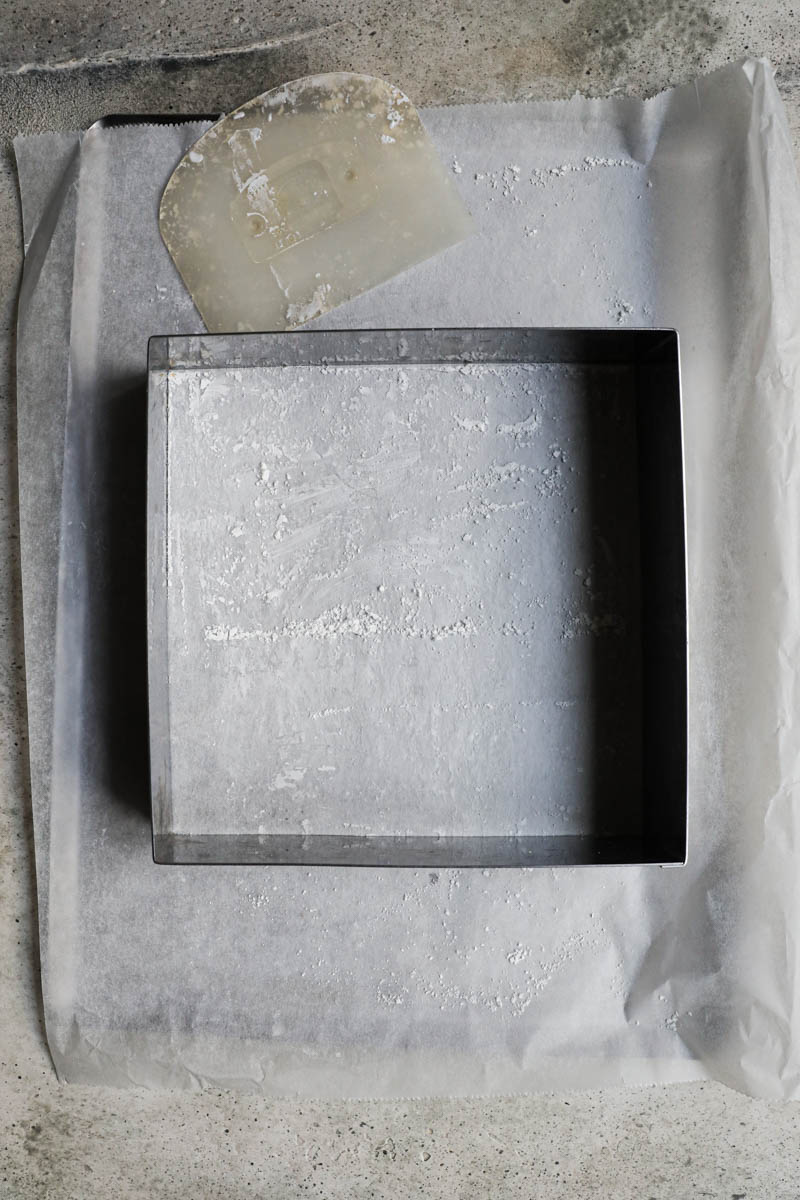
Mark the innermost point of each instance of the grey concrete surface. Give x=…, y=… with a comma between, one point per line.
x=62, y=65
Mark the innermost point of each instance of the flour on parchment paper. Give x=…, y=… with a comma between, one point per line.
x=406, y=551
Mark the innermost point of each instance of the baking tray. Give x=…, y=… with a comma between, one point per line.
x=417, y=598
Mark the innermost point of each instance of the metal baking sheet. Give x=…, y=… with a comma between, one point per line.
x=417, y=598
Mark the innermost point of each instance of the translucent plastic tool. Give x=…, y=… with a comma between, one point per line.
x=305, y=197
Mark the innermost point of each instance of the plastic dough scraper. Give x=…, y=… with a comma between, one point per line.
x=305, y=197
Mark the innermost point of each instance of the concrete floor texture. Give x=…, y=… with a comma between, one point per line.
x=62, y=65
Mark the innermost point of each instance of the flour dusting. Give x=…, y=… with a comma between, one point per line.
x=389, y=586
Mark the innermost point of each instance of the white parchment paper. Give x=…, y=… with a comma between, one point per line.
x=390, y=598
x=681, y=211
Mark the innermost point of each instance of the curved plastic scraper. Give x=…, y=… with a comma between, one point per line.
x=303, y=198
